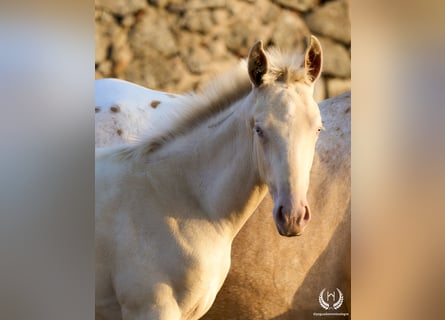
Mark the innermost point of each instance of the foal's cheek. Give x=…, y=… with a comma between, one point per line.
x=263, y=161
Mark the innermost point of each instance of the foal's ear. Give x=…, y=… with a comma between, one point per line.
x=313, y=59
x=257, y=63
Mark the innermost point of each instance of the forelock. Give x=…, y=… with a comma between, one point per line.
x=284, y=67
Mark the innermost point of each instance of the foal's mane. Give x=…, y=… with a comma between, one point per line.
x=217, y=96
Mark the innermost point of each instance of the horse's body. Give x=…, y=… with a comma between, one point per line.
x=169, y=206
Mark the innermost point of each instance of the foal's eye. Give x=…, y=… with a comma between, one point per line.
x=258, y=131
x=319, y=129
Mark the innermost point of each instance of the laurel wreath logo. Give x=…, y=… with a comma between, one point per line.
x=325, y=305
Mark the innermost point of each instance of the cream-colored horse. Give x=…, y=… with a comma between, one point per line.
x=169, y=206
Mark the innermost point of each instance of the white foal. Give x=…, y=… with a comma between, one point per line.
x=169, y=206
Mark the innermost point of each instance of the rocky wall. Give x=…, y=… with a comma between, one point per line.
x=176, y=46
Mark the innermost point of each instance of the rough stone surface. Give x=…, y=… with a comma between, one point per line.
x=196, y=59
x=290, y=32
x=201, y=22
x=106, y=67
x=152, y=32
x=331, y=20
x=300, y=5
x=102, y=43
x=121, y=55
x=241, y=36
x=204, y=4
x=121, y=7
x=105, y=31
x=337, y=61
x=176, y=45
x=338, y=86
x=156, y=72
x=320, y=90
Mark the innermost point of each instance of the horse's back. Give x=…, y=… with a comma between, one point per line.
x=109, y=92
x=125, y=110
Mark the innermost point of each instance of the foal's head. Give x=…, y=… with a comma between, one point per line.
x=285, y=123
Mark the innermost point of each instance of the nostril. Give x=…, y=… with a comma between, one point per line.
x=304, y=217
x=307, y=213
x=280, y=214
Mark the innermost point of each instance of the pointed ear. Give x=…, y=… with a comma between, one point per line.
x=313, y=59
x=257, y=63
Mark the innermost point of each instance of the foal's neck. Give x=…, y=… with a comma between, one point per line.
x=235, y=188
x=223, y=176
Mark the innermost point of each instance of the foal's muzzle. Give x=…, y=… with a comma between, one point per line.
x=291, y=220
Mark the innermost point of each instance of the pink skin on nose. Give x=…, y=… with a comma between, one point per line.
x=290, y=219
